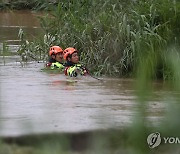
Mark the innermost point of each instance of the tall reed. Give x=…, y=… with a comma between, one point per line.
x=112, y=37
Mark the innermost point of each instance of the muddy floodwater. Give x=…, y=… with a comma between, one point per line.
x=33, y=101
x=12, y=21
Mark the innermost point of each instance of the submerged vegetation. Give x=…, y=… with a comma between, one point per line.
x=112, y=37
x=5, y=51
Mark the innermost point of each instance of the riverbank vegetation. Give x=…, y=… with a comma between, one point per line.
x=6, y=51
x=113, y=38
x=24, y=4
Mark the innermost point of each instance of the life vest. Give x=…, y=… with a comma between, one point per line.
x=56, y=65
x=75, y=70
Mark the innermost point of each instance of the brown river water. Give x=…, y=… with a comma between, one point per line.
x=33, y=101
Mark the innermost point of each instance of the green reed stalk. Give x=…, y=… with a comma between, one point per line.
x=111, y=37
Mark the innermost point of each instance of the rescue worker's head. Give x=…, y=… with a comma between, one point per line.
x=56, y=53
x=71, y=54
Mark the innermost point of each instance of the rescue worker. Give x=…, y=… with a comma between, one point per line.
x=72, y=67
x=56, y=58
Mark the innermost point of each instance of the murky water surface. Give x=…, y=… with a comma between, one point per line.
x=32, y=101
x=12, y=21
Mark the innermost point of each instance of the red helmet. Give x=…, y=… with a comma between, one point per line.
x=55, y=50
x=69, y=51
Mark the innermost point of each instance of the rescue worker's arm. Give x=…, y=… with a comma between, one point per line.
x=81, y=69
x=73, y=71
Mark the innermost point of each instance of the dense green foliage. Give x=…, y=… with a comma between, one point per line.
x=113, y=37
x=24, y=4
